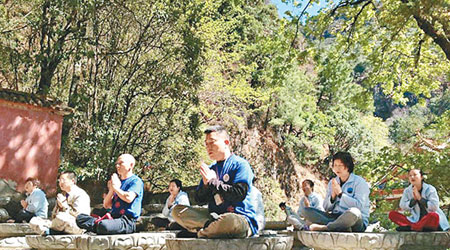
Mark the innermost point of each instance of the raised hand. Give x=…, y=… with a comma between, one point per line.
x=416, y=193
x=24, y=203
x=306, y=202
x=207, y=174
x=115, y=182
x=335, y=188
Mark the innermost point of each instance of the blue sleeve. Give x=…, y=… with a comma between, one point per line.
x=244, y=173
x=137, y=186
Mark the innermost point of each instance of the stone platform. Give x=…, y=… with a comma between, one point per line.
x=14, y=243
x=15, y=230
x=276, y=242
x=369, y=241
x=136, y=241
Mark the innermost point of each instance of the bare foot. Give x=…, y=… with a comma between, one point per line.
x=10, y=221
x=317, y=227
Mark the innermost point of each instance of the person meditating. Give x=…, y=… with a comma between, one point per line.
x=346, y=203
x=422, y=200
x=72, y=201
x=227, y=187
x=35, y=204
x=177, y=197
x=124, y=197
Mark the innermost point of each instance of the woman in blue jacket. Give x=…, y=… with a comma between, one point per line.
x=422, y=200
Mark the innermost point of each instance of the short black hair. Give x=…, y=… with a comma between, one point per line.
x=282, y=204
x=346, y=158
x=217, y=128
x=71, y=175
x=310, y=183
x=177, y=183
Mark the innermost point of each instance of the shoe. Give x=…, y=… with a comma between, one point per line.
x=403, y=228
x=186, y=234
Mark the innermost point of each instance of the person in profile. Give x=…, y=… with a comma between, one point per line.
x=422, y=201
x=72, y=201
x=124, y=198
x=35, y=204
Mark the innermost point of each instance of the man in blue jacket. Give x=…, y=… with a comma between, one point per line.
x=346, y=203
x=226, y=186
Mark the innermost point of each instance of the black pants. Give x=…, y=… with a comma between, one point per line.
x=164, y=222
x=121, y=225
x=23, y=215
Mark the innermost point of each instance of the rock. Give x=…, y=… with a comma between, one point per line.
x=4, y=201
x=141, y=241
x=14, y=243
x=14, y=230
x=388, y=240
x=252, y=243
x=4, y=216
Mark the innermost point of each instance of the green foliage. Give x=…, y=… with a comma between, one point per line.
x=392, y=39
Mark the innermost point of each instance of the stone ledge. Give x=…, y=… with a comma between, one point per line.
x=387, y=240
x=14, y=243
x=15, y=230
x=253, y=243
x=141, y=241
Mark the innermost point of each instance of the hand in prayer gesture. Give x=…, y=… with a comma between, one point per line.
x=24, y=203
x=306, y=201
x=335, y=188
x=416, y=193
x=115, y=182
x=171, y=200
x=207, y=174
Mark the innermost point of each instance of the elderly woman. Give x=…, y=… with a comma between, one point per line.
x=176, y=197
x=422, y=200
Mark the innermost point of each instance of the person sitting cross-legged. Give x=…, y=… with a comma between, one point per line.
x=227, y=187
x=422, y=200
x=69, y=204
x=35, y=204
x=177, y=197
x=125, y=192
x=311, y=199
x=346, y=203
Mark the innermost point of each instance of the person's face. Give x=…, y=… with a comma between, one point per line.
x=123, y=166
x=306, y=188
x=29, y=187
x=340, y=169
x=173, y=189
x=65, y=183
x=216, y=145
x=415, y=177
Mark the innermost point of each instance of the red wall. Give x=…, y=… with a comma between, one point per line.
x=30, y=141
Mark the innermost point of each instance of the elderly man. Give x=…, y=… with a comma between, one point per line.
x=227, y=187
x=69, y=204
x=125, y=192
x=346, y=203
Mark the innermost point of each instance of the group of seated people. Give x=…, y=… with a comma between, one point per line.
x=346, y=205
x=234, y=205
